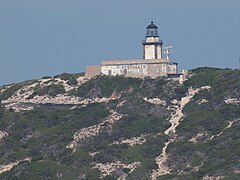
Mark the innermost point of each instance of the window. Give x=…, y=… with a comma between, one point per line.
x=109, y=72
x=168, y=69
x=125, y=71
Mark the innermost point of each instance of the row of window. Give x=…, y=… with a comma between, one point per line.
x=125, y=71
x=110, y=72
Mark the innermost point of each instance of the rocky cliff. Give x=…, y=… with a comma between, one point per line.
x=67, y=127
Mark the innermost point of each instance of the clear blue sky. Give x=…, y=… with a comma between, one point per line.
x=49, y=37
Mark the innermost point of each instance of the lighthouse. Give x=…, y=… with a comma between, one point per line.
x=152, y=45
x=153, y=64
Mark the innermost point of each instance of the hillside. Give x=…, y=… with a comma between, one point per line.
x=67, y=127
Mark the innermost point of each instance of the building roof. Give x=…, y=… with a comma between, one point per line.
x=129, y=62
x=152, y=26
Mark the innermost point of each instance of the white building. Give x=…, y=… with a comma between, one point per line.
x=152, y=64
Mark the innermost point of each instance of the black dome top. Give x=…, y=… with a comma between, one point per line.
x=152, y=26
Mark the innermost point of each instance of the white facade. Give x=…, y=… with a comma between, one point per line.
x=139, y=68
x=125, y=69
x=152, y=48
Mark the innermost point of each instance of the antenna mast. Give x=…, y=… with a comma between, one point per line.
x=167, y=50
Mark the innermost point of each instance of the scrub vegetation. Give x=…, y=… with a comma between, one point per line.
x=206, y=143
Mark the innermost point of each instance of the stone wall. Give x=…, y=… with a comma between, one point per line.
x=92, y=71
x=133, y=68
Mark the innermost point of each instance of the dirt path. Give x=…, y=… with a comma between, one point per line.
x=175, y=121
x=229, y=126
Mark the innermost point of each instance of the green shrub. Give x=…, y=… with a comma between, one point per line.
x=203, y=76
x=51, y=90
x=47, y=77
x=14, y=88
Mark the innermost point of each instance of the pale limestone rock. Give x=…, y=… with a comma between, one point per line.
x=4, y=88
x=120, y=104
x=235, y=101
x=93, y=130
x=132, y=141
x=202, y=101
x=109, y=168
x=175, y=102
x=175, y=120
x=195, y=138
x=194, y=169
x=237, y=171
x=228, y=126
x=213, y=177
x=93, y=153
x=19, y=101
x=8, y=167
x=3, y=134
x=155, y=101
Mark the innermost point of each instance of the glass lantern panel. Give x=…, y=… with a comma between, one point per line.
x=152, y=32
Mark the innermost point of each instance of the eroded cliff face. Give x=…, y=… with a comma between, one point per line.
x=28, y=95
x=121, y=128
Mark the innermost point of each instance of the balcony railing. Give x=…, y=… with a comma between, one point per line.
x=159, y=42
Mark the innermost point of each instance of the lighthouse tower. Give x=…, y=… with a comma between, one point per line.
x=152, y=45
